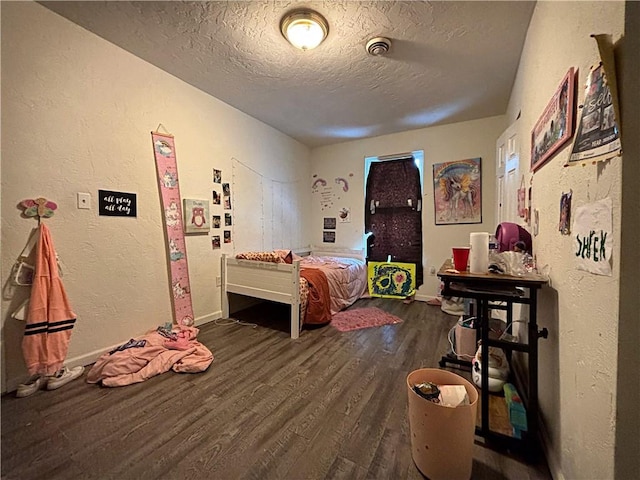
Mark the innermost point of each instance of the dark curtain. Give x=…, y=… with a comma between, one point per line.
x=392, y=213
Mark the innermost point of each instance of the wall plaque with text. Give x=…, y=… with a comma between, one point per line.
x=117, y=204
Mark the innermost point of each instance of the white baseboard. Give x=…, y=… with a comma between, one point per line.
x=424, y=298
x=207, y=318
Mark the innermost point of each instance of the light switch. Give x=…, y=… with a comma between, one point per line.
x=84, y=200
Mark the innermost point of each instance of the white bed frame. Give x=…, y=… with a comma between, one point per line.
x=278, y=282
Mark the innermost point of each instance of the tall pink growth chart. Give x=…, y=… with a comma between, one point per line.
x=166, y=166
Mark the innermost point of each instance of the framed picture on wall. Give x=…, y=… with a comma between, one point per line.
x=555, y=126
x=329, y=223
x=457, y=192
x=196, y=215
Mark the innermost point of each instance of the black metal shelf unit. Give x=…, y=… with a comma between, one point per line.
x=489, y=292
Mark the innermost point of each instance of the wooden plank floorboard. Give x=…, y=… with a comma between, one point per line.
x=222, y=452
x=198, y=444
x=39, y=441
x=328, y=405
x=326, y=445
x=365, y=439
x=343, y=469
x=154, y=434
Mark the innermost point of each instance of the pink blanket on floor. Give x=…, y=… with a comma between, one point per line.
x=150, y=355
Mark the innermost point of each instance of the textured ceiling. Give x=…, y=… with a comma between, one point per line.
x=449, y=61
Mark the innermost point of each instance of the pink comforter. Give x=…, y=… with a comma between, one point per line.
x=347, y=278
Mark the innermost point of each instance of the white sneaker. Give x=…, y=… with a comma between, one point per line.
x=63, y=377
x=35, y=383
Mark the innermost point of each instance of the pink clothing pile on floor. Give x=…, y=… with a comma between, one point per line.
x=156, y=352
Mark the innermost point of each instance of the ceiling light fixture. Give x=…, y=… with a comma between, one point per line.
x=304, y=29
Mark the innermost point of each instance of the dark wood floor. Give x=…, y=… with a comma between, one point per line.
x=329, y=405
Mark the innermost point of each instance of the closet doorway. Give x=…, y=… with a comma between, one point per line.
x=393, y=209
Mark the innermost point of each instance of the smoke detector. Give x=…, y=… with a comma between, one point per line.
x=378, y=46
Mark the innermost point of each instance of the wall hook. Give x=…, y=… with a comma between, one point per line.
x=40, y=207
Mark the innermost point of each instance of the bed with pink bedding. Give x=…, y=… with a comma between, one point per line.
x=281, y=279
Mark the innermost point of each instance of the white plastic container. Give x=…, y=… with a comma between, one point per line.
x=479, y=255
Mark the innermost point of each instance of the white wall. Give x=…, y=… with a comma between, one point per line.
x=579, y=360
x=77, y=115
x=440, y=144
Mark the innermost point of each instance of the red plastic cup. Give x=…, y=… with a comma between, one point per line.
x=460, y=258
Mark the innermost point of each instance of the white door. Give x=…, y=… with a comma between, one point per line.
x=507, y=175
x=508, y=180
x=501, y=158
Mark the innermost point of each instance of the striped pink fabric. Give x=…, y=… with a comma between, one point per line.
x=50, y=319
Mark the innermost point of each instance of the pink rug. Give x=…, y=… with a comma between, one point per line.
x=357, y=318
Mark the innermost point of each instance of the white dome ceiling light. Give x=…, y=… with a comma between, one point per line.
x=304, y=29
x=378, y=46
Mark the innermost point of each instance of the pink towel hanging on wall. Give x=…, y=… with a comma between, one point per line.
x=50, y=319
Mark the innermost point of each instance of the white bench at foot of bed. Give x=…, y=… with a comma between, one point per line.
x=278, y=282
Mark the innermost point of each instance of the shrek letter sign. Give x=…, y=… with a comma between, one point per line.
x=592, y=237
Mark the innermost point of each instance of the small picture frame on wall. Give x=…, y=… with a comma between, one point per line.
x=564, y=225
x=555, y=126
x=226, y=193
x=330, y=223
x=196, y=215
x=117, y=204
x=329, y=237
x=345, y=215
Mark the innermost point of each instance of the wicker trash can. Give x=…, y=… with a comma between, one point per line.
x=442, y=437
